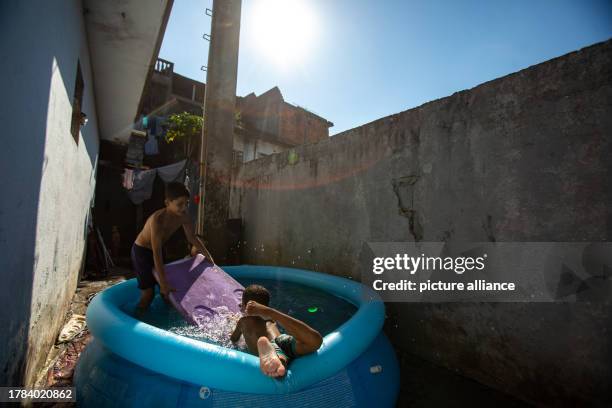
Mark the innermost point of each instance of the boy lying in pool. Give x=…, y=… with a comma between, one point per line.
x=263, y=338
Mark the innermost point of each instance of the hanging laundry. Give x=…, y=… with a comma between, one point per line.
x=193, y=182
x=143, y=186
x=128, y=179
x=172, y=172
x=151, y=148
x=152, y=125
x=159, y=128
x=135, y=151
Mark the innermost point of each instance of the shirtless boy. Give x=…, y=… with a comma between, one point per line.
x=147, y=249
x=263, y=338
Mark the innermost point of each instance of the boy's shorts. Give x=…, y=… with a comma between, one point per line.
x=284, y=345
x=142, y=259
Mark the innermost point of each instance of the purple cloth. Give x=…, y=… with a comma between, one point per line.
x=203, y=290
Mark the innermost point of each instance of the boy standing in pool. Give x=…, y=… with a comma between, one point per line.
x=263, y=338
x=147, y=248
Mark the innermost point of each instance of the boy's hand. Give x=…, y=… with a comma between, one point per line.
x=165, y=289
x=256, y=309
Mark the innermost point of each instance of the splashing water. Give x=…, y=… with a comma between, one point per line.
x=215, y=327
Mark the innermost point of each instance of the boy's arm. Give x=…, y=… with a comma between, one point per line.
x=195, y=240
x=307, y=339
x=237, y=333
x=158, y=260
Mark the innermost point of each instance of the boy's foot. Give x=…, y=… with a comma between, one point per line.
x=269, y=362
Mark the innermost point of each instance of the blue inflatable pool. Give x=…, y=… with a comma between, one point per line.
x=131, y=363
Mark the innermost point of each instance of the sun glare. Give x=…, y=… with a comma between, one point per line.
x=284, y=30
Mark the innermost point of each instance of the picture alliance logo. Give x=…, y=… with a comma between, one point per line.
x=411, y=264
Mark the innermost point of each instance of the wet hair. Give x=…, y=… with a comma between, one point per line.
x=176, y=190
x=257, y=293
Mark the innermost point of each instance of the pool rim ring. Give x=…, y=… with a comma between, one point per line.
x=215, y=366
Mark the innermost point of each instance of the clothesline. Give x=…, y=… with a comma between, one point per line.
x=139, y=183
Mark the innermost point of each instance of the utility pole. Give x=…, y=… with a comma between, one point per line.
x=218, y=128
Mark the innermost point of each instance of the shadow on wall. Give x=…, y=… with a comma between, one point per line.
x=33, y=53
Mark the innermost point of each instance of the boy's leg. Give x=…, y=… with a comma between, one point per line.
x=146, y=297
x=300, y=338
x=142, y=259
x=270, y=362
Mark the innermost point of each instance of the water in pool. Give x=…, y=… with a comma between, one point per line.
x=319, y=309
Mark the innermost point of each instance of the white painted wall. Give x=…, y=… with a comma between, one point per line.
x=47, y=179
x=251, y=148
x=238, y=143
x=267, y=148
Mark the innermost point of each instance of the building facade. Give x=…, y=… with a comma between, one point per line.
x=66, y=85
x=265, y=124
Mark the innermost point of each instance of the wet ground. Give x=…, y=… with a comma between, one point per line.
x=422, y=384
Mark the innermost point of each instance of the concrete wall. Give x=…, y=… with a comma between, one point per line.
x=47, y=178
x=525, y=157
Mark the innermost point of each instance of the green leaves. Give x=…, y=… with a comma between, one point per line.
x=186, y=126
x=183, y=126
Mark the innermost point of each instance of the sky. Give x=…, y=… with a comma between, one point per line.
x=355, y=61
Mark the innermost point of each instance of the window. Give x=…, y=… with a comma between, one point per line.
x=77, y=103
x=237, y=158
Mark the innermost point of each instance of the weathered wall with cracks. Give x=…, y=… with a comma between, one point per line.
x=525, y=157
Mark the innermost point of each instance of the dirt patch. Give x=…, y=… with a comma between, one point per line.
x=61, y=360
